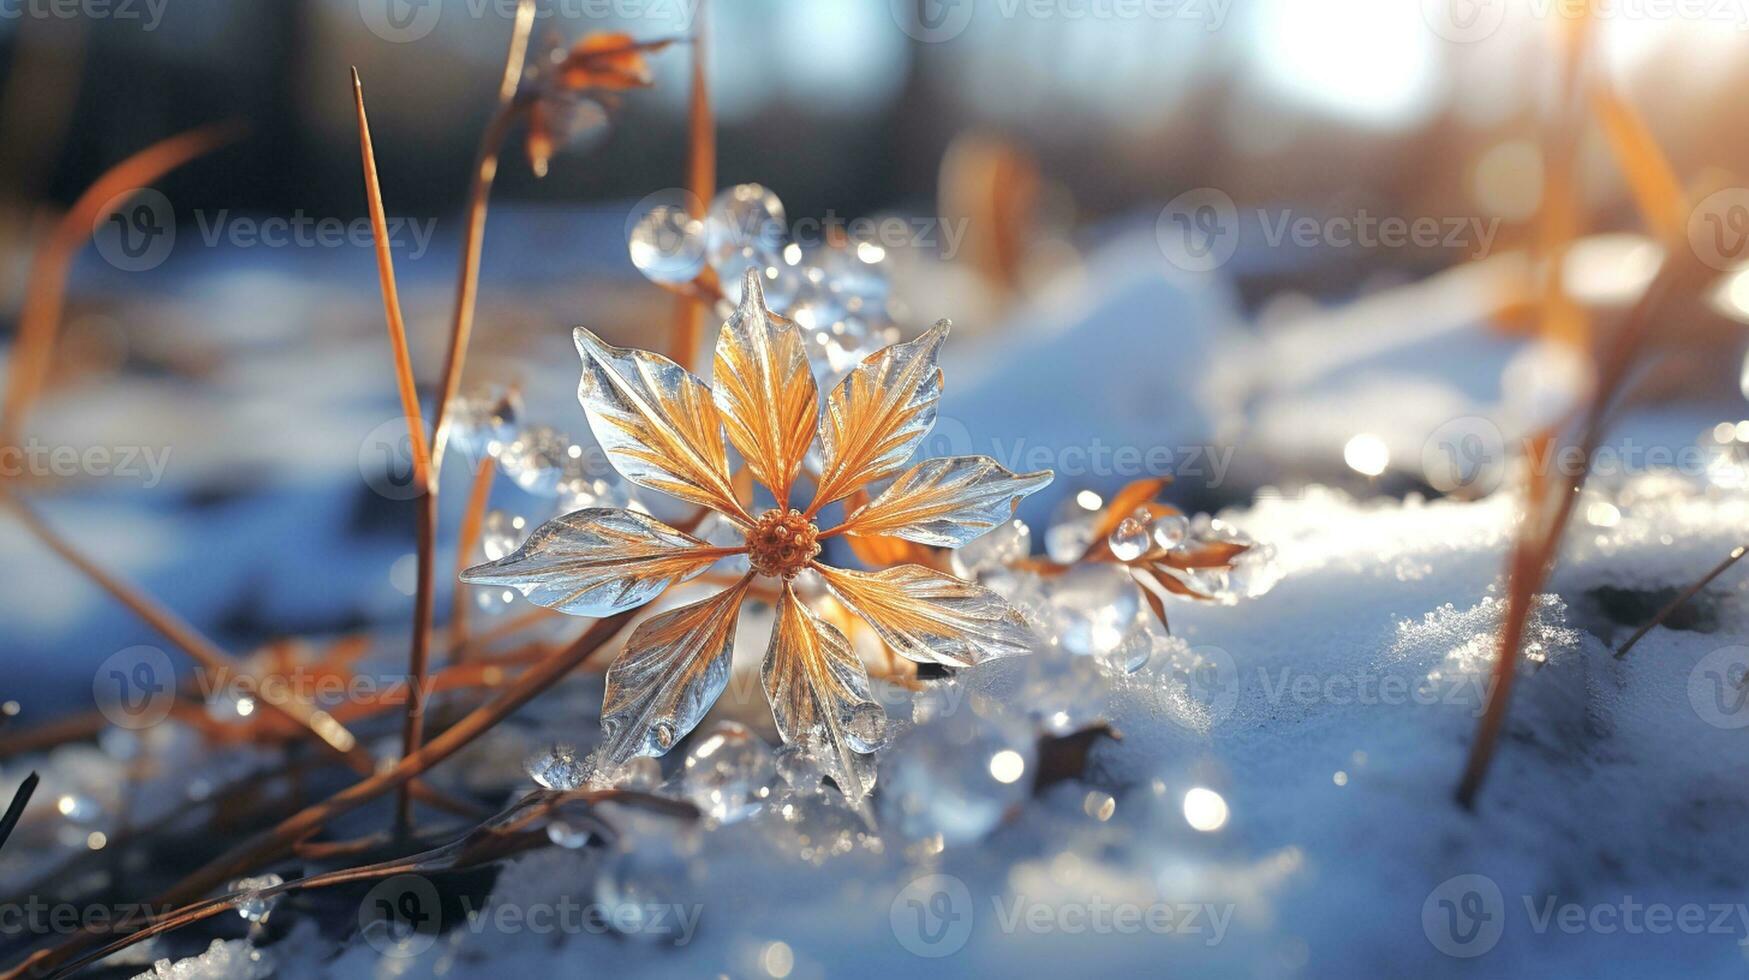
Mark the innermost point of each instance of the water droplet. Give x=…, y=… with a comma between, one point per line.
x=483, y=420
x=1132, y=654
x=1093, y=608
x=252, y=905
x=558, y=768
x=1131, y=538
x=728, y=773
x=668, y=245
x=743, y=221
x=800, y=770
x=1169, y=530
x=867, y=728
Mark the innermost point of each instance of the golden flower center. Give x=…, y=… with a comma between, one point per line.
x=781, y=543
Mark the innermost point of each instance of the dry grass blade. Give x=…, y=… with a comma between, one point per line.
x=467, y=286
x=472, y=520
x=425, y=504
x=210, y=656
x=1735, y=556
x=15, y=810
x=701, y=181
x=39, y=320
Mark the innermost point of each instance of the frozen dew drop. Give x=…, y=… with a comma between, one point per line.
x=867, y=728
x=667, y=245
x=1169, y=531
x=995, y=549
x=1130, y=655
x=558, y=768
x=1093, y=607
x=1255, y=571
x=252, y=905
x=729, y=773
x=743, y=220
x=1131, y=538
x=821, y=826
x=482, y=420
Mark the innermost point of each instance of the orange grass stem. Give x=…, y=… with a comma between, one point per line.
x=46, y=293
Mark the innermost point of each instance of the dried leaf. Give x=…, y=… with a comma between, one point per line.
x=878, y=415
x=819, y=694
x=598, y=562
x=674, y=668
x=931, y=617
x=656, y=423
x=947, y=501
x=606, y=60
x=765, y=390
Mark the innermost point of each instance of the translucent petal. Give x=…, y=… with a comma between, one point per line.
x=931, y=617
x=656, y=423
x=877, y=416
x=819, y=695
x=597, y=562
x=947, y=501
x=674, y=668
x=765, y=390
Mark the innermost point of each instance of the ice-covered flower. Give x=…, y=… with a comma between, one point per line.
x=663, y=428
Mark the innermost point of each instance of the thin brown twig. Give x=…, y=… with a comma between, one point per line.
x=1735, y=556
x=467, y=286
x=701, y=181
x=40, y=318
x=209, y=655
x=15, y=810
x=425, y=503
x=278, y=840
x=469, y=536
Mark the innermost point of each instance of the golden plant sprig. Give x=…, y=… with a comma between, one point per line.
x=663, y=428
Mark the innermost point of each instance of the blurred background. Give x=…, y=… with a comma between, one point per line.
x=1050, y=156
